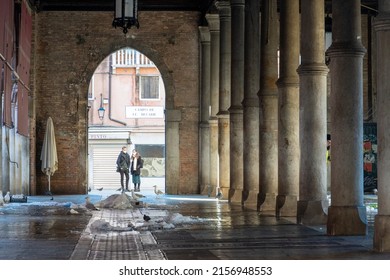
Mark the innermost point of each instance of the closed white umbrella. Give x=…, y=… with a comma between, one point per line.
x=49, y=152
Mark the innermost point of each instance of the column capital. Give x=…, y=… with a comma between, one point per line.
x=204, y=34
x=213, y=22
x=346, y=48
x=382, y=21
x=313, y=69
x=287, y=82
x=237, y=2
x=224, y=9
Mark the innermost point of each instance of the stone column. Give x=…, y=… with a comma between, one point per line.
x=237, y=96
x=224, y=97
x=347, y=213
x=172, y=132
x=204, y=127
x=313, y=203
x=288, y=126
x=268, y=96
x=251, y=103
x=213, y=22
x=382, y=220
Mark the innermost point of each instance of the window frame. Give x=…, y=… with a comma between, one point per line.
x=158, y=97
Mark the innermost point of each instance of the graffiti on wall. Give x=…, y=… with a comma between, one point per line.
x=370, y=152
x=154, y=160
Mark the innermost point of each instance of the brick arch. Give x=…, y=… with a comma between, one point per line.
x=64, y=63
x=172, y=146
x=154, y=56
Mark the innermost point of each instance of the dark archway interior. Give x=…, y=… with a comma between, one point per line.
x=368, y=6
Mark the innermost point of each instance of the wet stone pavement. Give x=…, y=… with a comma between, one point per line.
x=24, y=237
x=180, y=228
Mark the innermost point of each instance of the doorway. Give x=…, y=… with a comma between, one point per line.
x=126, y=105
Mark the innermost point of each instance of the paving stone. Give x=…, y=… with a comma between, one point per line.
x=207, y=231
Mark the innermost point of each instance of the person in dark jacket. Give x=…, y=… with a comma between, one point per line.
x=135, y=169
x=123, y=165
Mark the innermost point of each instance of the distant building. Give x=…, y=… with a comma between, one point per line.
x=128, y=90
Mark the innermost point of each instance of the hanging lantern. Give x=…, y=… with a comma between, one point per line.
x=126, y=14
x=101, y=110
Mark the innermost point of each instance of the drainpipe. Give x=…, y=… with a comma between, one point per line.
x=109, y=95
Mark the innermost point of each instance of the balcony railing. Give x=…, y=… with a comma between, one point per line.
x=130, y=58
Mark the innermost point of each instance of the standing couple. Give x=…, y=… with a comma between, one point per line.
x=126, y=164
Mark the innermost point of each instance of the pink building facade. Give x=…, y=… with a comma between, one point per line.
x=126, y=102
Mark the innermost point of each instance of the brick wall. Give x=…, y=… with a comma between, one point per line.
x=68, y=46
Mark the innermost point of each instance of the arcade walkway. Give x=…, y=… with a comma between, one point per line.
x=181, y=228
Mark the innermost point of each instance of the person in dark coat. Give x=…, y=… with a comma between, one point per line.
x=123, y=165
x=135, y=169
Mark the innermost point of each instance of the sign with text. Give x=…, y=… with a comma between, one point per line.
x=108, y=135
x=139, y=112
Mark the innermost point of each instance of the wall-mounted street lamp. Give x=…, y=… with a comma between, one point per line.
x=126, y=14
x=101, y=110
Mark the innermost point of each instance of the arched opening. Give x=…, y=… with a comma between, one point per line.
x=126, y=107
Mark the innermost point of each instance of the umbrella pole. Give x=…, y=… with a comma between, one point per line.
x=49, y=192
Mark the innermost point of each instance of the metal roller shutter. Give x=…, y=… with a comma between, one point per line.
x=104, y=167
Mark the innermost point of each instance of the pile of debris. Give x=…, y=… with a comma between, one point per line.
x=119, y=201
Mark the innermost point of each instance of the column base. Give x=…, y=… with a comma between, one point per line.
x=235, y=196
x=286, y=206
x=381, y=233
x=250, y=199
x=224, y=192
x=312, y=212
x=347, y=220
x=267, y=202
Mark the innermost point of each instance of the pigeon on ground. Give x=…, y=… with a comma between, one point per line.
x=219, y=194
x=100, y=189
x=89, y=189
x=157, y=191
x=89, y=205
x=146, y=218
x=1, y=199
x=136, y=196
x=7, y=197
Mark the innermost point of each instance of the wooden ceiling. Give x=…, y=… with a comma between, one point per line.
x=154, y=5
x=108, y=5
